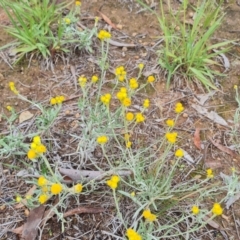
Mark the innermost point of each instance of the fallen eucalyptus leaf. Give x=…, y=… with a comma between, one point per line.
x=24, y=116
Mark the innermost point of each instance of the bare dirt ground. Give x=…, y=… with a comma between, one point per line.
x=140, y=27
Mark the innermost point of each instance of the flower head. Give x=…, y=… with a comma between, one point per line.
x=104, y=35
x=235, y=87
x=9, y=108
x=82, y=81
x=120, y=73
x=32, y=154
x=95, y=78
x=56, y=188
x=149, y=216
x=126, y=102
x=146, y=103
x=133, y=235
x=195, y=210
x=57, y=100
x=42, y=181
x=106, y=98
x=210, y=173
x=12, y=87
x=78, y=3
x=78, y=188
x=217, y=209
x=128, y=144
x=171, y=137
x=139, y=117
x=150, y=79
x=18, y=199
x=129, y=116
x=43, y=198
x=133, y=84
x=40, y=149
x=141, y=66
x=179, y=153
x=122, y=94
x=67, y=20
x=179, y=107
x=102, y=139
x=113, y=182
x=170, y=122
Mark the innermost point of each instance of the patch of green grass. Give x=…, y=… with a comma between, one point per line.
x=188, y=52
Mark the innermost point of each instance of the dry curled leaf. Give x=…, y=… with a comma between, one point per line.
x=108, y=21
x=79, y=210
x=24, y=116
x=196, y=139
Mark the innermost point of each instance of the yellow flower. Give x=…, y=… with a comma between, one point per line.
x=141, y=66
x=126, y=137
x=179, y=153
x=94, y=78
x=45, y=189
x=32, y=154
x=102, y=139
x=129, y=116
x=179, y=107
x=78, y=3
x=42, y=181
x=56, y=188
x=120, y=73
x=139, y=117
x=150, y=79
x=9, y=108
x=105, y=99
x=133, y=235
x=149, y=216
x=126, y=102
x=104, y=35
x=53, y=101
x=18, y=199
x=133, y=84
x=78, y=188
x=40, y=149
x=60, y=99
x=113, y=182
x=82, y=81
x=209, y=172
x=195, y=210
x=132, y=194
x=217, y=209
x=67, y=20
x=146, y=103
x=122, y=94
x=235, y=87
x=12, y=87
x=43, y=198
x=170, y=122
x=37, y=140
x=171, y=137
x=128, y=144
x=233, y=169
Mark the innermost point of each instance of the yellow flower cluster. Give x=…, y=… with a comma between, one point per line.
x=129, y=116
x=95, y=78
x=82, y=81
x=195, y=210
x=209, y=172
x=179, y=107
x=133, y=84
x=170, y=122
x=77, y=188
x=56, y=188
x=146, y=103
x=139, y=117
x=120, y=73
x=106, y=98
x=141, y=66
x=171, y=137
x=150, y=79
x=42, y=181
x=179, y=153
x=113, y=182
x=9, y=108
x=133, y=235
x=127, y=140
x=57, y=100
x=12, y=87
x=37, y=148
x=78, y=3
x=149, y=216
x=104, y=35
x=217, y=209
x=67, y=20
x=122, y=96
x=102, y=139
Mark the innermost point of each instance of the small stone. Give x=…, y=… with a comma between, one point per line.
x=134, y=34
x=185, y=115
x=77, y=115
